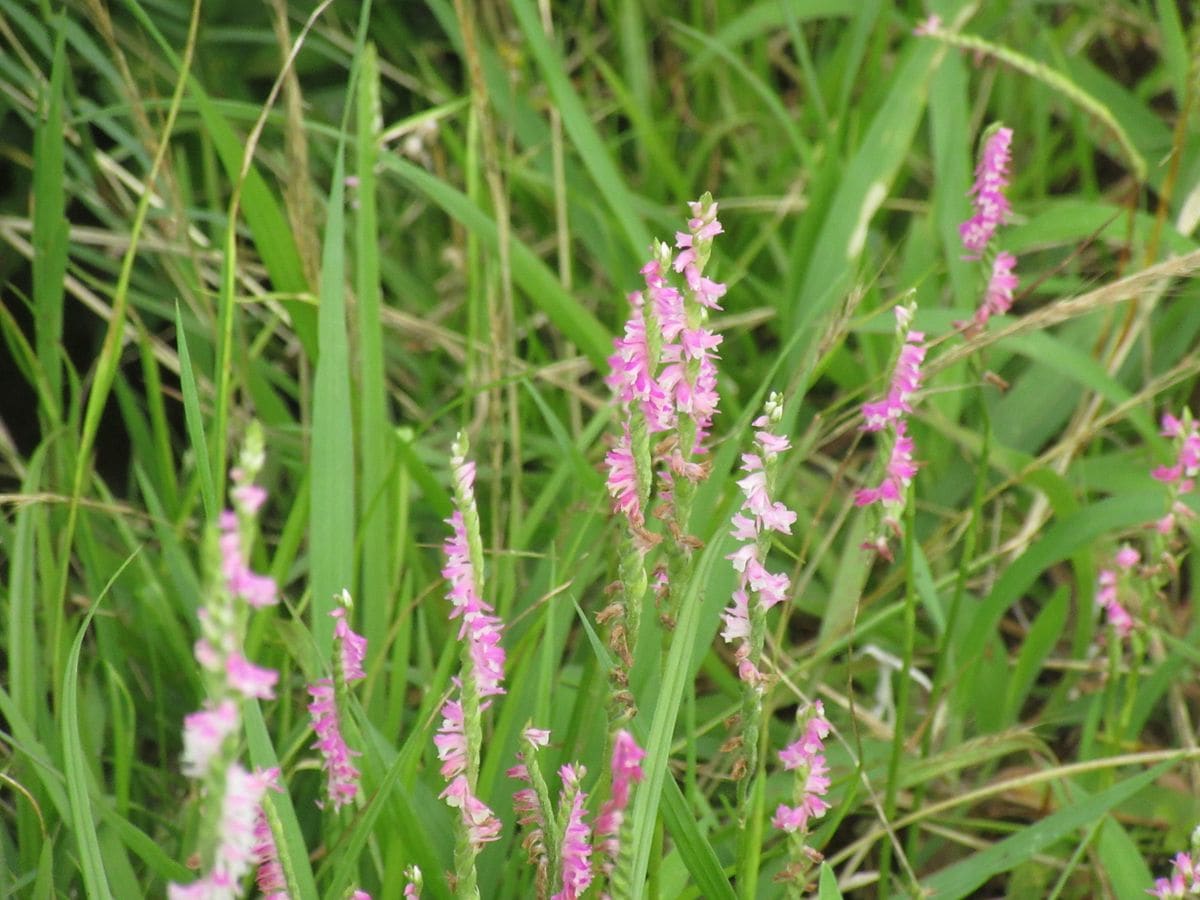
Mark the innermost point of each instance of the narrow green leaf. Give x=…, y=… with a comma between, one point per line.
x=578, y=124
x=75, y=766
x=50, y=233
x=331, y=526
x=529, y=272
x=194, y=420
x=963, y=878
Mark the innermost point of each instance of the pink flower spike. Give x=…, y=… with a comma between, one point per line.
x=481, y=824
x=576, y=851
x=352, y=647
x=991, y=205
x=341, y=784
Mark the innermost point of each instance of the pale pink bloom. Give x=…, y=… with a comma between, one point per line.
x=1183, y=881
x=412, y=889
x=451, y=740
x=906, y=378
x=1107, y=598
x=481, y=824
x=479, y=627
x=526, y=805
x=575, y=854
x=204, y=733
x=360, y=895
x=759, y=513
x=235, y=837
x=1127, y=557
x=256, y=590
x=898, y=475
x=351, y=647
x=341, y=775
x=248, y=679
x=248, y=498
x=991, y=205
x=806, y=757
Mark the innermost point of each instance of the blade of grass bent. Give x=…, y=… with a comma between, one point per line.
x=75, y=767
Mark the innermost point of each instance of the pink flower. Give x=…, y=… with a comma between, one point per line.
x=480, y=823
x=203, y=734
x=1183, y=881
x=906, y=379
x=235, y=837
x=576, y=851
x=451, y=740
x=758, y=515
x=626, y=770
x=248, y=679
x=1107, y=598
x=991, y=206
x=479, y=626
x=341, y=776
x=412, y=890
x=928, y=27
x=272, y=883
x=351, y=647
x=256, y=590
x=622, y=479
x=999, y=296
x=805, y=756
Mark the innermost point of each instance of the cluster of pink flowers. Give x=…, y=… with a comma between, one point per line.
x=991, y=205
x=759, y=514
x=626, y=770
x=806, y=757
x=341, y=775
x=1106, y=590
x=575, y=854
x=236, y=838
x=665, y=329
x=528, y=807
x=209, y=751
x=1184, y=880
x=270, y=879
x=483, y=662
x=480, y=628
x=257, y=590
x=998, y=298
x=889, y=413
x=1181, y=476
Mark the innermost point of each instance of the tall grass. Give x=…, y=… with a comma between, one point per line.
x=411, y=220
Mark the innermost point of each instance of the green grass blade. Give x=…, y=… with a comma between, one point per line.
x=578, y=124
x=194, y=420
x=963, y=878
x=331, y=526
x=50, y=236
x=374, y=431
x=529, y=272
